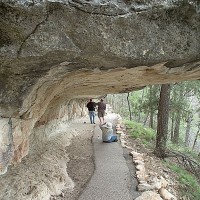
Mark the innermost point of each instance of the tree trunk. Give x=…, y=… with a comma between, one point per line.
x=187, y=132
x=129, y=107
x=177, y=128
x=145, y=120
x=195, y=140
x=151, y=108
x=179, y=109
x=151, y=119
x=139, y=114
x=163, y=116
x=172, y=127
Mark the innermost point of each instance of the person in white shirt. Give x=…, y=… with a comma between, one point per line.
x=107, y=133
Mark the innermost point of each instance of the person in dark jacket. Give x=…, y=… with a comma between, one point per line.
x=91, y=108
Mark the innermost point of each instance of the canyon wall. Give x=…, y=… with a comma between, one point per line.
x=56, y=54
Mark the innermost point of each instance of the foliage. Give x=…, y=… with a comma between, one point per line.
x=184, y=105
x=144, y=102
x=189, y=184
x=184, y=150
x=151, y=98
x=139, y=131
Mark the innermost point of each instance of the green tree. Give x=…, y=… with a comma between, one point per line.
x=163, y=116
x=181, y=108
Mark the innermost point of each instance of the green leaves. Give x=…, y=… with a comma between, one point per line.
x=137, y=130
x=189, y=183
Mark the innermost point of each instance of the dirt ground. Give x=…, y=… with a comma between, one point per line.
x=154, y=166
x=80, y=166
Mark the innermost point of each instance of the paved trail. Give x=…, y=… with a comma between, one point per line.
x=111, y=179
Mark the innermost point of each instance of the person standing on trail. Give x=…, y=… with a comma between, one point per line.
x=91, y=108
x=107, y=133
x=101, y=111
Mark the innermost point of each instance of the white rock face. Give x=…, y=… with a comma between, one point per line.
x=43, y=125
x=149, y=195
x=166, y=194
x=43, y=172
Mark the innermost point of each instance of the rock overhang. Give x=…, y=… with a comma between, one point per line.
x=54, y=53
x=66, y=37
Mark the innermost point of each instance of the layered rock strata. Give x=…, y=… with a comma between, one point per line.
x=55, y=52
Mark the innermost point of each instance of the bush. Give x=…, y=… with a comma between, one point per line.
x=139, y=131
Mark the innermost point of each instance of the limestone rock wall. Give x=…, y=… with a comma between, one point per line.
x=49, y=125
x=57, y=120
x=55, y=52
x=45, y=172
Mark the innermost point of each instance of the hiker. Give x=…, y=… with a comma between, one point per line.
x=107, y=133
x=101, y=111
x=91, y=108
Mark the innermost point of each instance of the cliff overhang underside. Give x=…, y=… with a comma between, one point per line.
x=56, y=54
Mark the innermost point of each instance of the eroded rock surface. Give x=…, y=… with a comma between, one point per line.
x=54, y=54
x=46, y=171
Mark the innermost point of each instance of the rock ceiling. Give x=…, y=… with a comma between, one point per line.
x=53, y=51
x=95, y=47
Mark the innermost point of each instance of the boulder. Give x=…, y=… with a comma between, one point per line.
x=166, y=195
x=149, y=195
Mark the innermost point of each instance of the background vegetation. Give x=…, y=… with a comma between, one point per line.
x=143, y=111
x=184, y=112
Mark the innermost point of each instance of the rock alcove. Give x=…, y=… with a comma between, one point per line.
x=56, y=54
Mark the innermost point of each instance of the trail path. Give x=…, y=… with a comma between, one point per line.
x=111, y=179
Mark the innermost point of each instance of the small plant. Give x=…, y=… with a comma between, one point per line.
x=139, y=131
x=129, y=124
x=189, y=184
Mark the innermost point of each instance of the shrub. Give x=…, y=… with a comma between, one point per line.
x=139, y=131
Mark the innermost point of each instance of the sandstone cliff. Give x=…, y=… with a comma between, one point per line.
x=54, y=54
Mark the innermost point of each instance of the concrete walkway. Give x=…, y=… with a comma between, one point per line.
x=111, y=179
